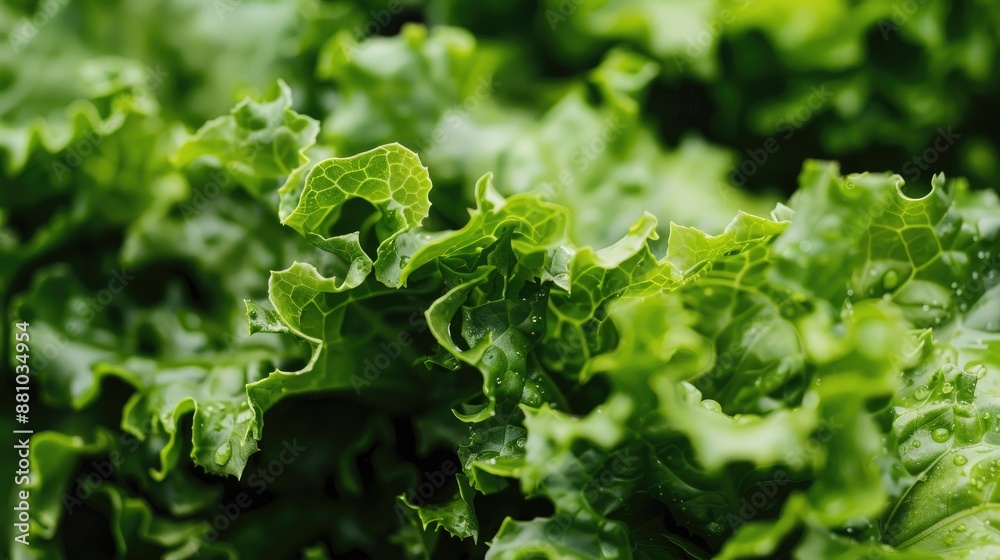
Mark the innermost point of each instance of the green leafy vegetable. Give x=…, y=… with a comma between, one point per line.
x=502, y=280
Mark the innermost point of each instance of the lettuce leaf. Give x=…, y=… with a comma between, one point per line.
x=478, y=281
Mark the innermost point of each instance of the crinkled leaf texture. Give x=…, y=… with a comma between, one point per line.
x=774, y=354
x=509, y=281
x=820, y=383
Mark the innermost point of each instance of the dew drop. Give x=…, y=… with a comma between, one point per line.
x=947, y=388
x=223, y=453
x=921, y=393
x=890, y=280
x=940, y=435
x=960, y=460
x=916, y=443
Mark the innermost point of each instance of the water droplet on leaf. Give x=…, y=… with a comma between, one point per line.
x=940, y=435
x=223, y=453
x=890, y=280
